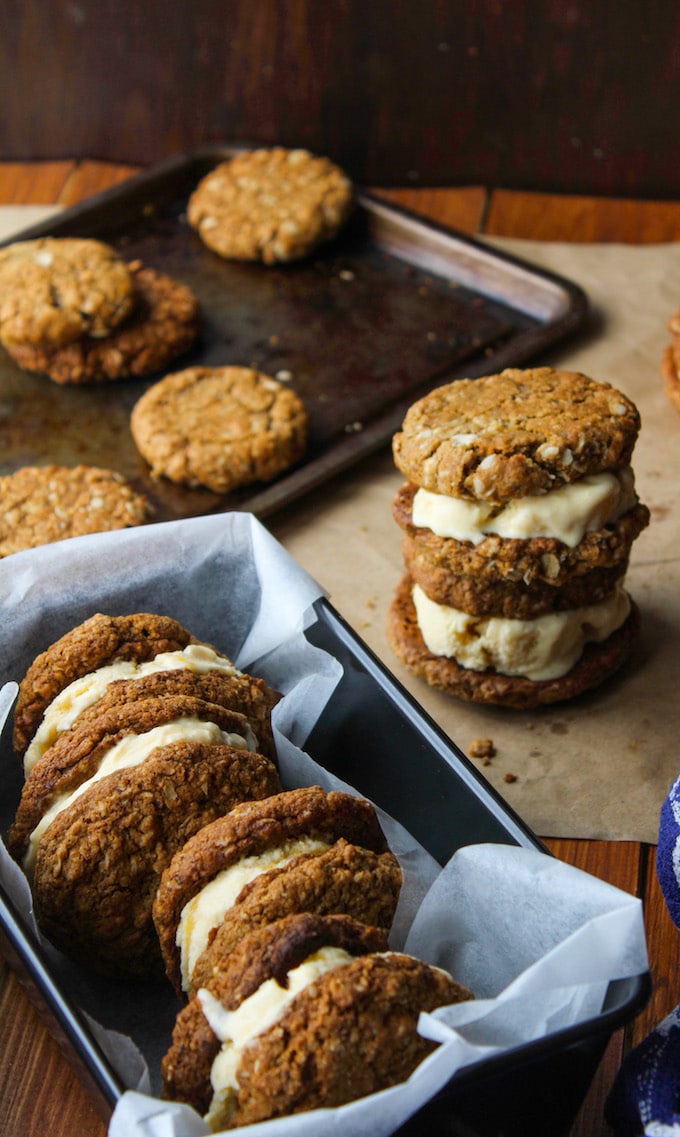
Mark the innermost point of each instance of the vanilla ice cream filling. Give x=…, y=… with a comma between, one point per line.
x=236, y=1029
x=86, y=690
x=543, y=648
x=131, y=751
x=207, y=909
x=566, y=513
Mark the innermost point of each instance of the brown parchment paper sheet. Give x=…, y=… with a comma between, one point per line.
x=598, y=767
x=601, y=766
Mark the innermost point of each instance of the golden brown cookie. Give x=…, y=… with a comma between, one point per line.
x=55, y=289
x=79, y=753
x=515, y=434
x=100, y=861
x=256, y=830
x=513, y=576
x=162, y=325
x=270, y=205
x=597, y=663
x=96, y=642
x=219, y=427
x=245, y=694
x=42, y=504
x=348, y=1031
x=269, y=953
x=347, y=879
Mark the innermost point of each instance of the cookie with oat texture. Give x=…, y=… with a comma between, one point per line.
x=270, y=205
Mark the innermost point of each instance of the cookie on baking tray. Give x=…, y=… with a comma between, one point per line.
x=42, y=504
x=219, y=427
x=518, y=518
x=55, y=289
x=337, y=1020
x=270, y=205
x=301, y=850
x=162, y=324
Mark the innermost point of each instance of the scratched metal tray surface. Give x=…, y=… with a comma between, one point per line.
x=394, y=306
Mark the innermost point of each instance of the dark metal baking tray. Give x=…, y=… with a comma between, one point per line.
x=373, y=735
x=392, y=307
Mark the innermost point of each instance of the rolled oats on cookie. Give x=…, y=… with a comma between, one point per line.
x=519, y=515
x=219, y=427
x=270, y=205
x=42, y=504
x=163, y=324
x=55, y=289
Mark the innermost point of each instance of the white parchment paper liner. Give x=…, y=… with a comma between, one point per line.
x=536, y=940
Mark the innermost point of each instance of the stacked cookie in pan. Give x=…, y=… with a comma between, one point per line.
x=74, y=310
x=518, y=514
x=157, y=837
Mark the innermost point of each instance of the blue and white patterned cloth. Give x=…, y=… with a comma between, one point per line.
x=645, y=1098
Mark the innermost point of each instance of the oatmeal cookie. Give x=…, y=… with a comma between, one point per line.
x=42, y=504
x=78, y=753
x=270, y=205
x=535, y=561
x=598, y=662
x=96, y=642
x=485, y=596
x=515, y=434
x=347, y=879
x=55, y=289
x=100, y=861
x=269, y=953
x=242, y=693
x=219, y=427
x=163, y=324
x=348, y=1033
x=254, y=830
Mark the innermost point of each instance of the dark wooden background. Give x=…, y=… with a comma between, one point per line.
x=577, y=96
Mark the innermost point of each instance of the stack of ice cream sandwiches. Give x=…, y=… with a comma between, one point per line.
x=518, y=515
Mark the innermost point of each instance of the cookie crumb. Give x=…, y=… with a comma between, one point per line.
x=510, y=777
x=482, y=748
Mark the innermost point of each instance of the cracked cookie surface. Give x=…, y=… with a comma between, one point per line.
x=163, y=325
x=219, y=427
x=514, y=434
x=270, y=205
x=55, y=289
x=99, y=640
x=42, y=504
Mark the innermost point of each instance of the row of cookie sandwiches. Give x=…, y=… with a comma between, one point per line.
x=267, y=905
x=518, y=515
x=133, y=735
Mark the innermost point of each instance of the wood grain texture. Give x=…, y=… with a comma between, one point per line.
x=51, y=1100
x=577, y=98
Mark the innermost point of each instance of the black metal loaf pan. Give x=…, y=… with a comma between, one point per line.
x=374, y=736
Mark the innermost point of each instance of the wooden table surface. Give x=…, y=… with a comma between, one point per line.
x=39, y=1093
